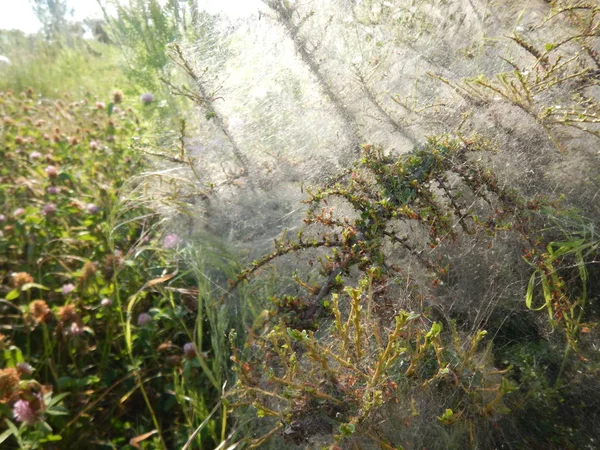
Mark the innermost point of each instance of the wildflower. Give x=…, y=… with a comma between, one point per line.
x=19, y=211
x=189, y=350
x=111, y=262
x=23, y=412
x=19, y=140
x=2, y=217
x=39, y=310
x=77, y=204
x=19, y=279
x=91, y=208
x=49, y=209
x=144, y=319
x=24, y=369
x=9, y=382
x=100, y=105
x=51, y=171
x=35, y=155
x=117, y=96
x=147, y=98
x=67, y=313
x=76, y=329
x=3, y=342
x=53, y=190
x=88, y=270
x=106, y=302
x=93, y=145
x=171, y=241
x=68, y=288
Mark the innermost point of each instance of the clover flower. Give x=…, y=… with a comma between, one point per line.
x=144, y=319
x=18, y=212
x=53, y=190
x=49, y=209
x=68, y=288
x=88, y=270
x=24, y=368
x=2, y=217
x=67, y=313
x=100, y=105
x=117, y=96
x=189, y=350
x=20, y=279
x=51, y=171
x=94, y=145
x=9, y=382
x=35, y=155
x=147, y=98
x=91, y=208
x=40, y=311
x=23, y=412
x=106, y=302
x=171, y=241
x=76, y=329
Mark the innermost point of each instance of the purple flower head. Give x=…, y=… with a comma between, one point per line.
x=23, y=412
x=189, y=350
x=106, y=302
x=18, y=212
x=35, y=155
x=100, y=105
x=76, y=329
x=53, y=190
x=51, y=171
x=93, y=145
x=147, y=98
x=49, y=209
x=92, y=208
x=144, y=319
x=2, y=217
x=68, y=288
x=171, y=241
x=24, y=369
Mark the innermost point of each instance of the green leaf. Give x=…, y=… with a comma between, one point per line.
x=12, y=427
x=56, y=399
x=436, y=329
x=13, y=356
x=86, y=237
x=4, y=436
x=52, y=438
x=547, y=296
x=549, y=47
x=530, y=287
x=297, y=335
x=13, y=294
x=28, y=286
x=447, y=416
x=347, y=429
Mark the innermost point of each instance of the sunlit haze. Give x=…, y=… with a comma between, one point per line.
x=18, y=14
